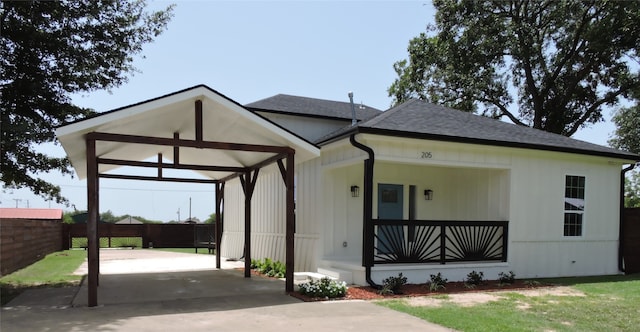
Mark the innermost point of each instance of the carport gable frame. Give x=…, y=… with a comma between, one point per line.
x=248, y=176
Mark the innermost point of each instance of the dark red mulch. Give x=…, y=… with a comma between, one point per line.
x=409, y=290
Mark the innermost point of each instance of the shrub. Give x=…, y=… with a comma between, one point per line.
x=506, y=279
x=269, y=267
x=392, y=285
x=437, y=282
x=474, y=279
x=325, y=287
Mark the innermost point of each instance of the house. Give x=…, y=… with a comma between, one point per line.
x=31, y=214
x=129, y=221
x=417, y=189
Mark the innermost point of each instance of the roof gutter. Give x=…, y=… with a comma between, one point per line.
x=367, y=236
x=623, y=174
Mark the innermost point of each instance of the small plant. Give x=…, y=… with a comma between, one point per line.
x=506, y=278
x=474, y=279
x=325, y=287
x=392, y=285
x=437, y=282
x=269, y=267
x=532, y=283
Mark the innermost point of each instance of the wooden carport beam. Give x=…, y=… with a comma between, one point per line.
x=134, y=139
x=190, y=167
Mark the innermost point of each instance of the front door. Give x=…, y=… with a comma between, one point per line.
x=390, y=207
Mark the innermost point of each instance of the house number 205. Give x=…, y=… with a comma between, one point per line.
x=426, y=155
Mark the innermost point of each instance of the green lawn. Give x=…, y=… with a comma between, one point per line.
x=186, y=250
x=54, y=270
x=610, y=303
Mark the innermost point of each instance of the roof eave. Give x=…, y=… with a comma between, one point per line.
x=467, y=140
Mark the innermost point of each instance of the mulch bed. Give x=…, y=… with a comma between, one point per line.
x=412, y=290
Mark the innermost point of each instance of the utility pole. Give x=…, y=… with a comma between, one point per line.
x=178, y=214
x=189, y=208
x=17, y=201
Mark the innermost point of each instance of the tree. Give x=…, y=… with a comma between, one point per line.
x=627, y=134
x=211, y=219
x=632, y=190
x=50, y=50
x=627, y=137
x=553, y=65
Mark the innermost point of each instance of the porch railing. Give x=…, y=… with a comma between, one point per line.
x=429, y=241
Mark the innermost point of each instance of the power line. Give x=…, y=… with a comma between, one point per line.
x=140, y=189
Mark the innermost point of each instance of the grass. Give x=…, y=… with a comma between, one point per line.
x=54, y=270
x=187, y=250
x=610, y=304
x=116, y=242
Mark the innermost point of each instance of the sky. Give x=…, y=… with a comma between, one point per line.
x=249, y=51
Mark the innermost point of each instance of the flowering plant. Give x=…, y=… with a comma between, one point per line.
x=324, y=287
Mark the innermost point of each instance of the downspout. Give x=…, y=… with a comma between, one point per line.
x=623, y=174
x=367, y=239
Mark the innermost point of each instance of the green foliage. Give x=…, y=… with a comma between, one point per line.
x=474, y=279
x=506, y=278
x=393, y=285
x=211, y=219
x=116, y=242
x=627, y=134
x=51, y=50
x=269, y=267
x=632, y=189
x=552, y=65
x=325, y=288
x=437, y=282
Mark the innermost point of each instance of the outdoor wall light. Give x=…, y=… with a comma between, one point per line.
x=355, y=191
x=428, y=194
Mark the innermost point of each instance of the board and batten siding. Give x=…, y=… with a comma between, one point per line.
x=268, y=220
x=479, y=182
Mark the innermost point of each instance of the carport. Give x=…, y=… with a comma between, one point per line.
x=195, y=129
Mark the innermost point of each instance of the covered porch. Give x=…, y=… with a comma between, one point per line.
x=423, y=219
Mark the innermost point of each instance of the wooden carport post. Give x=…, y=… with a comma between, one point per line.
x=291, y=223
x=92, y=222
x=219, y=202
x=248, y=182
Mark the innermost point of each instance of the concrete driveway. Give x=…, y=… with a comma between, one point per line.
x=148, y=290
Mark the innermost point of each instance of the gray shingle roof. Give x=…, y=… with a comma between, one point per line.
x=296, y=105
x=421, y=119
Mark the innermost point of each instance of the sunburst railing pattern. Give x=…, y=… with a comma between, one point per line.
x=428, y=241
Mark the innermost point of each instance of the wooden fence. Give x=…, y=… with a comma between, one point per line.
x=153, y=235
x=631, y=247
x=24, y=241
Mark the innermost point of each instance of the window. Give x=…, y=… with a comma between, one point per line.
x=573, y=205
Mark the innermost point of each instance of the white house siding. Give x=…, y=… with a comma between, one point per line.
x=476, y=182
x=537, y=245
x=309, y=128
x=268, y=222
